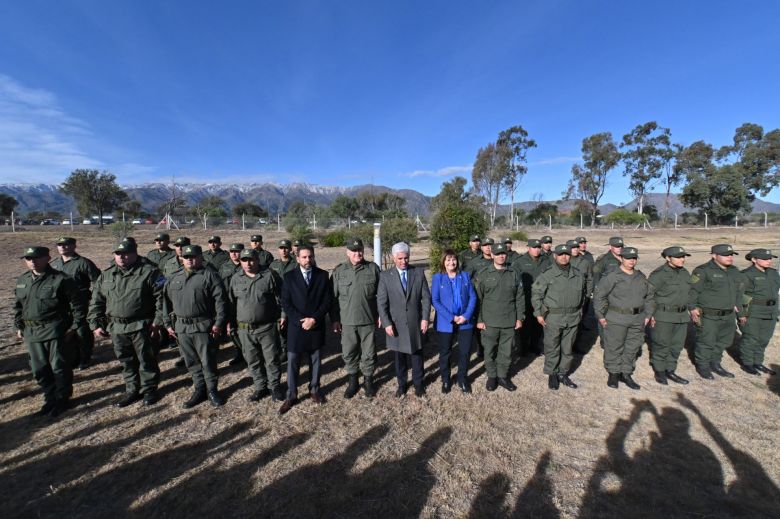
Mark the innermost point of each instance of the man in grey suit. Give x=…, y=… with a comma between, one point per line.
x=404, y=304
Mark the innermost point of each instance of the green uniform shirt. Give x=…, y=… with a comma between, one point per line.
x=761, y=292
x=264, y=258
x=529, y=269
x=465, y=257
x=716, y=288
x=227, y=270
x=500, y=294
x=671, y=286
x=197, y=299
x=159, y=257
x=558, y=290
x=82, y=270
x=171, y=266
x=588, y=256
x=257, y=299
x=45, y=304
x=511, y=257
x=618, y=293
x=216, y=258
x=476, y=265
x=127, y=300
x=283, y=267
x=603, y=266
x=354, y=293
x=585, y=267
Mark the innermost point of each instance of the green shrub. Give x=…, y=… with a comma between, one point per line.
x=451, y=227
x=337, y=238
x=625, y=217
x=519, y=236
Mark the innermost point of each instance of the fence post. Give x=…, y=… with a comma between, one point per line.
x=377, y=245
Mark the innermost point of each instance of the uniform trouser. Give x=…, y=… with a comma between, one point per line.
x=446, y=340
x=52, y=367
x=402, y=363
x=86, y=342
x=668, y=341
x=712, y=338
x=294, y=367
x=261, y=353
x=498, y=350
x=622, y=345
x=559, y=338
x=358, y=349
x=139, y=360
x=530, y=335
x=200, y=357
x=756, y=334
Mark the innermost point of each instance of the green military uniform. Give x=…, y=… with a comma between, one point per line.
x=501, y=305
x=581, y=263
x=625, y=301
x=84, y=273
x=354, y=306
x=171, y=266
x=670, y=286
x=529, y=269
x=157, y=256
x=282, y=268
x=44, y=307
x=605, y=264
x=258, y=310
x=557, y=295
x=584, y=253
x=126, y=302
x=216, y=258
x=264, y=257
x=761, y=290
x=717, y=292
x=465, y=257
x=226, y=271
x=197, y=299
x=480, y=262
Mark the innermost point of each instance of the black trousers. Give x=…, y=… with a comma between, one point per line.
x=402, y=362
x=294, y=367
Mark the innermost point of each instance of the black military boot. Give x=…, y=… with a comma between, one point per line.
x=552, y=381
x=507, y=384
x=674, y=377
x=660, y=377
x=259, y=394
x=60, y=407
x=128, y=399
x=491, y=384
x=566, y=381
x=215, y=398
x=627, y=380
x=764, y=369
x=151, y=397
x=718, y=370
x=704, y=372
x=353, y=387
x=198, y=396
x=368, y=386
x=277, y=394
x=749, y=369
x=612, y=381
x=47, y=407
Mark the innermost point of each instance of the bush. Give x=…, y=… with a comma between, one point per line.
x=451, y=227
x=518, y=236
x=625, y=217
x=393, y=230
x=337, y=238
x=120, y=230
x=300, y=232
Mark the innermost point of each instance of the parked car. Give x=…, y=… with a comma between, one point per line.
x=88, y=221
x=262, y=221
x=149, y=221
x=137, y=221
x=49, y=221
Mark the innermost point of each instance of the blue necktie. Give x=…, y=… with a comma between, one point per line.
x=308, y=277
x=403, y=280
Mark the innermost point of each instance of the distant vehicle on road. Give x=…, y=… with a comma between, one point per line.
x=149, y=221
x=262, y=221
x=137, y=221
x=49, y=221
x=89, y=221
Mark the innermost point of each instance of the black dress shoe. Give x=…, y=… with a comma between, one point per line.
x=59, y=407
x=718, y=370
x=446, y=387
x=47, y=407
x=553, y=382
x=660, y=377
x=627, y=380
x=353, y=387
x=749, y=369
x=764, y=369
x=215, y=398
x=286, y=406
x=704, y=373
x=419, y=391
x=277, y=394
x=83, y=365
x=368, y=386
x=237, y=361
x=198, y=396
x=317, y=398
x=612, y=381
x=400, y=392
x=259, y=394
x=464, y=387
x=566, y=381
x=151, y=397
x=491, y=384
x=674, y=377
x=179, y=363
x=507, y=384
x=128, y=399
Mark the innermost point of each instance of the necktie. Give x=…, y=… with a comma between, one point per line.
x=403, y=280
x=308, y=277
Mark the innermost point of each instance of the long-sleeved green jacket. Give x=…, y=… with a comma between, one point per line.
x=127, y=300
x=623, y=298
x=354, y=293
x=500, y=294
x=761, y=292
x=717, y=291
x=670, y=287
x=197, y=299
x=46, y=305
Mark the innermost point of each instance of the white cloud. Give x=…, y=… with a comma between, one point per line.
x=555, y=160
x=449, y=171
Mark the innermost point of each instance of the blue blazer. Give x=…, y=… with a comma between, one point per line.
x=443, y=301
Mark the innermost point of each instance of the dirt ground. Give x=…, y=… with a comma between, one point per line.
x=708, y=449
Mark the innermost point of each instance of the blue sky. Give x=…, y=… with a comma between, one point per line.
x=343, y=93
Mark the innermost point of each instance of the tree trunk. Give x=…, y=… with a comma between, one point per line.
x=666, y=202
x=100, y=217
x=640, y=204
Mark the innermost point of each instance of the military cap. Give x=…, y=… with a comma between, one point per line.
x=130, y=239
x=249, y=253
x=581, y=239
x=236, y=247
x=190, y=251
x=35, y=252
x=562, y=249
x=285, y=244
x=763, y=254
x=488, y=241
x=498, y=248
x=546, y=239
x=297, y=243
x=125, y=246
x=723, y=249
x=66, y=240
x=506, y=240
x=674, y=252
x=215, y=239
x=257, y=238
x=616, y=241
x=629, y=253
x=573, y=244
x=533, y=242
x=163, y=236
x=181, y=241
x=474, y=237
x=354, y=244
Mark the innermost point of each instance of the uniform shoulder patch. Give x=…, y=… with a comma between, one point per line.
x=695, y=277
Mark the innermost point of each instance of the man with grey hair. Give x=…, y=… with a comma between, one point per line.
x=404, y=304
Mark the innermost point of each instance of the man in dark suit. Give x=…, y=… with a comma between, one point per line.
x=404, y=303
x=306, y=300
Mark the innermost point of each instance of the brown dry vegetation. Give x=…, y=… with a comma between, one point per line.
x=705, y=450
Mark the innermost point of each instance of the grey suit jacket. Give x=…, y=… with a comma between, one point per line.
x=404, y=311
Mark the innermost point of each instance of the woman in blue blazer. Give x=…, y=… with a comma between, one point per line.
x=455, y=300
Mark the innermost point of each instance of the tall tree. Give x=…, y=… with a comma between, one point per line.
x=647, y=149
x=7, y=204
x=345, y=207
x=455, y=192
x=757, y=155
x=249, y=209
x=489, y=175
x=94, y=192
x=457, y=215
x=589, y=180
x=132, y=208
x=515, y=139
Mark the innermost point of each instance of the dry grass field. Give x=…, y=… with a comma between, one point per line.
x=709, y=449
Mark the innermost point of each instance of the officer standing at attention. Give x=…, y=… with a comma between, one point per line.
x=486, y=260
x=255, y=293
x=355, y=316
x=282, y=265
x=529, y=266
x=557, y=297
x=584, y=252
x=501, y=312
x=226, y=271
x=669, y=324
x=608, y=261
x=174, y=263
x=196, y=297
x=264, y=257
x=45, y=302
x=471, y=253
x=546, y=242
x=715, y=297
x=623, y=302
x=84, y=273
x=762, y=284
x=296, y=244
x=215, y=256
x=127, y=306
x=163, y=252
x=511, y=255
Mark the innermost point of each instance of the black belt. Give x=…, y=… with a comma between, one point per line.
x=625, y=311
x=125, y=320
x=192, y=320
x=676, y=309
x=563, y=310
x=251, y=326
x=764, y=302
x=716, y=312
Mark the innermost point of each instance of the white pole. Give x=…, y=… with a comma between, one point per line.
x=278, y=222
x=205, y=219
x=377, y=245
x=706, y=221
x=243, y=221
x=765, y=218
x=549, y=219
x=675, y=220
x=123, y=217
x=314, y=220
x=736, y=222
x=581, y=221
x=71, y=221
x=13, y=222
